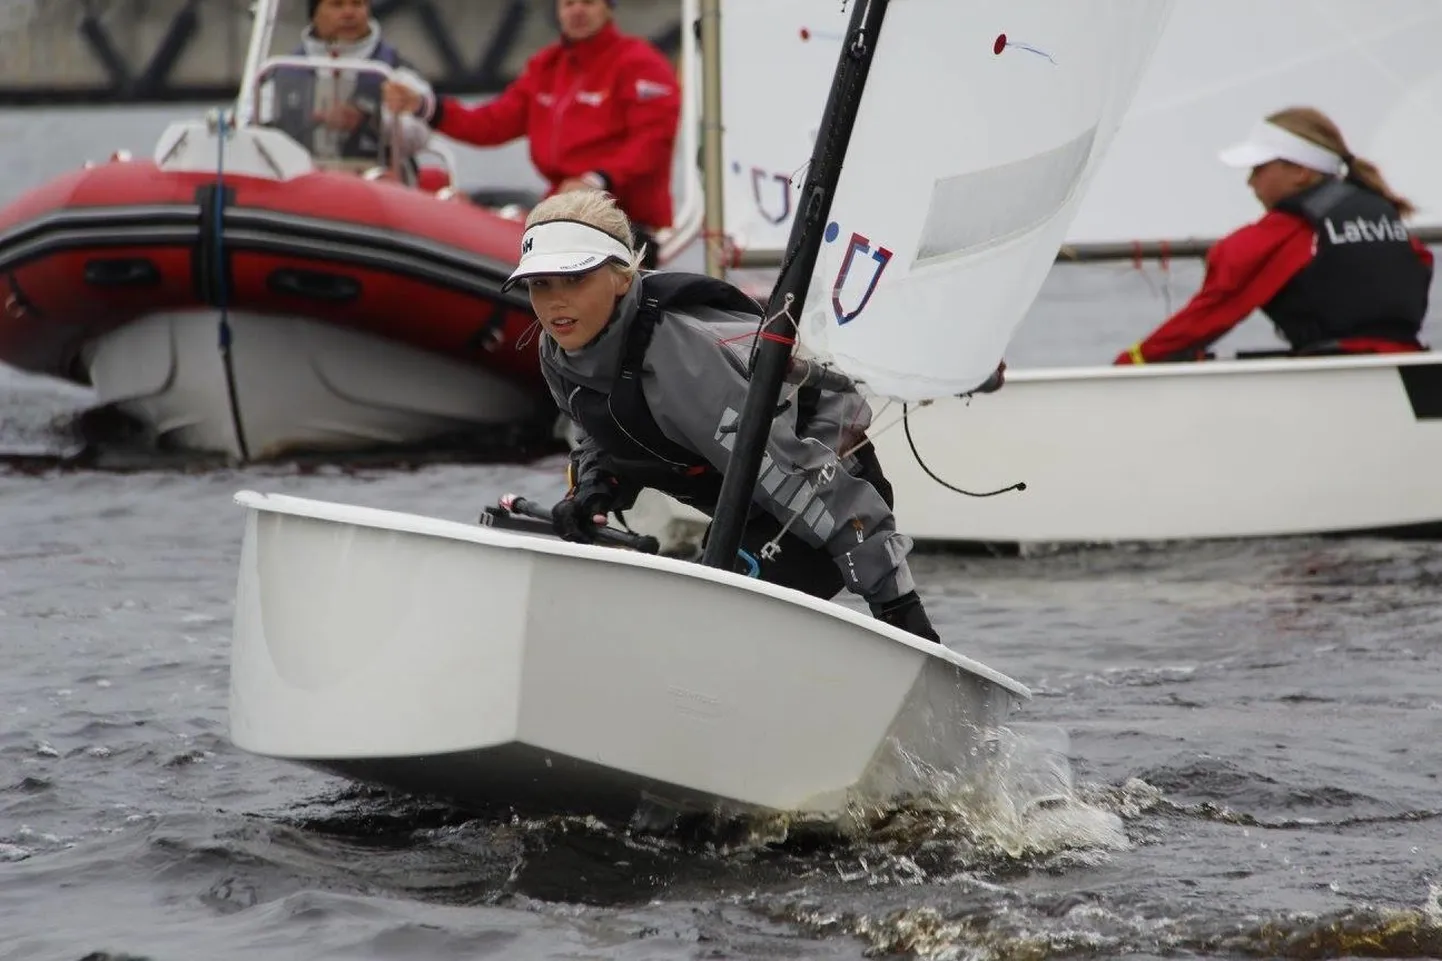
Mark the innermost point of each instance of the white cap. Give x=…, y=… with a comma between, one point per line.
x=565, y=247
x=1269, y=142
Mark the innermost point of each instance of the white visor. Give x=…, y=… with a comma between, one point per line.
x=1269, y=142
x=565, y=247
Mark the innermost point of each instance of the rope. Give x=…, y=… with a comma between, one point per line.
x=224, y=126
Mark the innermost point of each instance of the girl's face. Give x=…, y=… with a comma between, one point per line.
x=575, y=308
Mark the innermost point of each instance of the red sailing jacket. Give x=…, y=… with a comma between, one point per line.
x=610, y=104
x=1245, y=270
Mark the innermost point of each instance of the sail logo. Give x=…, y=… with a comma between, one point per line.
x=770, y=192
x=782, y=186
x=861, y=268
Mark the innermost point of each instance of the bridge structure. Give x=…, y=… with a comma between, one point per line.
x=161, y=51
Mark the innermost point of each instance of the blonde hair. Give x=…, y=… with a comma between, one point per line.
x=1312, y=124
x=595, y=208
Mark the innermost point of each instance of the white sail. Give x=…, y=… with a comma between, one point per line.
x=1223, y=64
x=777, y=61
x=1220, y=65
x=980, y=125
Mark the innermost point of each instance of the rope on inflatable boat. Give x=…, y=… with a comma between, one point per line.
x=224, y=127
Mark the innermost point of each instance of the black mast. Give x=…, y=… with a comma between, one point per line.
x=773, y=356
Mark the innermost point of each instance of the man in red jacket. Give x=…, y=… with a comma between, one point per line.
x=600, y=109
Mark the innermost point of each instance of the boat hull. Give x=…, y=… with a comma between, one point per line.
x=1222, y=449
x=501, y=669
x=285, y=385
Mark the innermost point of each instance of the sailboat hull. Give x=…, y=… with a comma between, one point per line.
x=508, y=670
x=1223, y=449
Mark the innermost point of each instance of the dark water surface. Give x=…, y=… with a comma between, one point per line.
x=1253, y=727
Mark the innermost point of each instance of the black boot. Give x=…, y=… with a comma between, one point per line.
x=906, y=613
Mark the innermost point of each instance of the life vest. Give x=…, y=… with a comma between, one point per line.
x=635, y=448
x=1365, y=279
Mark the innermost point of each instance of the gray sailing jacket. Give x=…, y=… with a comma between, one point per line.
x=694, y=382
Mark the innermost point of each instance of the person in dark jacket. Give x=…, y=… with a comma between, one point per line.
x=1331, y=263
x=339, y=118
x=652, y=369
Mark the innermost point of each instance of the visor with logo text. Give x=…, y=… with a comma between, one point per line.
x=565, y=247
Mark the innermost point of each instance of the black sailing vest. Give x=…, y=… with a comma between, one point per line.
x=295, y=97
x=635, y=449
x=1365, y=279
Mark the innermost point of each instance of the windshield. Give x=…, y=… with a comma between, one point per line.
x=332, y=111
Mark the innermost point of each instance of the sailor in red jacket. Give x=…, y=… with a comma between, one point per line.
x=600, y=108
x=1331, y=263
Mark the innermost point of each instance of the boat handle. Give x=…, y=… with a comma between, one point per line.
x=121, y=272
x=314, y=284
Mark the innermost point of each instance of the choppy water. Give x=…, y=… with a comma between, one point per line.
x=1254, y=730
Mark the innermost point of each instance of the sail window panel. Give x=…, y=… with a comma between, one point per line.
x=981, y=208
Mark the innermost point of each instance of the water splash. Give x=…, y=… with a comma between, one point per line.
x=1022, y=802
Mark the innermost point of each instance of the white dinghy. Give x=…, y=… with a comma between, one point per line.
x=440, y=657
x=501, y=668
x=1224, y=449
